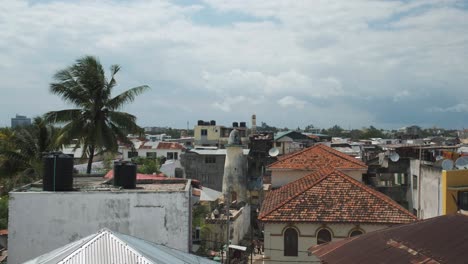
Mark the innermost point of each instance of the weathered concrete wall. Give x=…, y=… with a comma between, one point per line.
x=210, y=174
x=429, y=189
x=239, y=227
x=274, y=238
x=40, y=222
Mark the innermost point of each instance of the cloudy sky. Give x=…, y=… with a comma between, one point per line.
x=292, y=63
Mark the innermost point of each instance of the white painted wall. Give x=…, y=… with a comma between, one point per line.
x=430, y=189
x=40, y=222
x=282, y=177
x=274, y=240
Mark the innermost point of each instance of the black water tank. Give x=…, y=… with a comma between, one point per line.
x=235, y=124
x=213, y=123
x=125, y=175
x=57, y=172
x=463, y=200
x=200, y=122
x=242, y=124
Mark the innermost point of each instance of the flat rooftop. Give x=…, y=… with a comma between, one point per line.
x=101, y=184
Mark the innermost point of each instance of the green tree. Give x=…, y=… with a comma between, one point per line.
x=96, y=123
x=21, y=149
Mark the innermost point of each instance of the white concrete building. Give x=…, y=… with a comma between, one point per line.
x=40, y=221
x=152, y=149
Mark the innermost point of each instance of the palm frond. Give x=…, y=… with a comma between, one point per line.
x=126, y=97
x=63, y=116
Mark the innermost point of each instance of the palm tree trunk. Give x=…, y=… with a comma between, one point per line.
x=90, y=159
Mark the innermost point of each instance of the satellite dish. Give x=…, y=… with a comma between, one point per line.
x=439, y=157
x=273, y=152
x=462, y=163
x=394, y=157
x=447, y=164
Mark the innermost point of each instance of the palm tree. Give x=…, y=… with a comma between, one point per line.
x=96, y=124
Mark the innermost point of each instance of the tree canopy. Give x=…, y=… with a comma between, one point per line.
x=96, y=123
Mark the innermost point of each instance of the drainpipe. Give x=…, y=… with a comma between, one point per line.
x=419, y=183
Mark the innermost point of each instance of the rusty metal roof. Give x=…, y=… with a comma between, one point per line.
x=442, y=239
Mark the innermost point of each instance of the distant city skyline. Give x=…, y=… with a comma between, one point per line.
x=353, y=63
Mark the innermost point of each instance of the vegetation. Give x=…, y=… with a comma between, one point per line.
x=4, y=212
x=96, y=124
x=21, y=152
x=148, y=165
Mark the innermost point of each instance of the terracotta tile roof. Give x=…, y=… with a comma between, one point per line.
x=439, y=239
x=318, y=157
x=169, y=145
x=331, y=196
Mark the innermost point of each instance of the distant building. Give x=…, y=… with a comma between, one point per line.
x=436, y=240
x=159, y=211
x=152, y=149
x=207, y=133
x=206, y=164
x=20, y=120
x=323, y=206
x=291, y=141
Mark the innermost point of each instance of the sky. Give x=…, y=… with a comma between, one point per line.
x=292, y=63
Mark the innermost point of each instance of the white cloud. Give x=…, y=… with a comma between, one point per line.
x=290, y=101
x=458, y=108
x=275, y=52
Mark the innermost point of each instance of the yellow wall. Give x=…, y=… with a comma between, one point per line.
x=453, y=178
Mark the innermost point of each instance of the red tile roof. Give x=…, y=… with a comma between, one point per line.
x=331, y=196
x=169, y=145
x=435, y=240
x=139, y=176
x=318, y=157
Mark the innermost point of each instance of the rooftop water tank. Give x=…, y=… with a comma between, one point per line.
x=57, y=172
x=125, y=175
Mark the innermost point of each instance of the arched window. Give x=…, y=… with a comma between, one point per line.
x=356, y=232
x=323, y=236
x=290, y=242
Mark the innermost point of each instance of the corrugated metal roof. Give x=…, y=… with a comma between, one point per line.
x=112, y=247
x=440, y=239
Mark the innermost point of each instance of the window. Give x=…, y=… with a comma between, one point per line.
x=355, y=233
x=278, y=144
x=132, y=154
x=204, y=132
x=210, y=159
x=172, y=155
x=151, y=154
x=323, y=236
x=415, y=182
x=290, y=242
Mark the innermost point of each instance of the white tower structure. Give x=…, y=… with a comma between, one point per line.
x=235, y=169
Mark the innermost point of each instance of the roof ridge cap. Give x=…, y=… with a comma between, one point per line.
x=294, y=154
x=378, y=194
x=342, y=155
x=298, y=193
